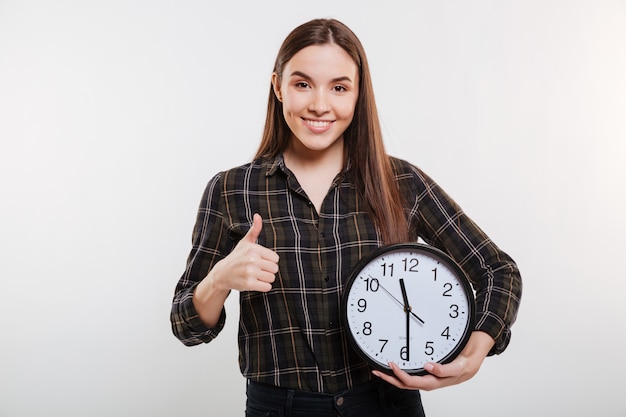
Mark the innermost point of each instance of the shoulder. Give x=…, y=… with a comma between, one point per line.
x=252, y=166
x=401, y=166
x=228, y=190
x=406, y=171
x=413, y=182
x=238, y=176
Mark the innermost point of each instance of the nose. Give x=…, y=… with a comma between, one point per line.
x=319, y=102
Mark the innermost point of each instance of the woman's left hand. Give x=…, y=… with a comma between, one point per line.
x=462, y=368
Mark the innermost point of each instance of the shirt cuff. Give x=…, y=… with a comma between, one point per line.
x=196, y=331
x=497, y=329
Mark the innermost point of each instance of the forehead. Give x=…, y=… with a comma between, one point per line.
x=327, y=60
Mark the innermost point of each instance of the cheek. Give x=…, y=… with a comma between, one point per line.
x=291, y=114
x=346, y=107
x=346, y=111
x=293, y=105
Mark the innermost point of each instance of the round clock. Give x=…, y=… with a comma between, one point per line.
x=408, y=303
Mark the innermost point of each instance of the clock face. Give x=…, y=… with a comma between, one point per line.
x=409, y=304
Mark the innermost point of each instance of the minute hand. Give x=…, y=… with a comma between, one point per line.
x=407, y=310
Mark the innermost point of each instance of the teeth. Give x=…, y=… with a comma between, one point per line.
x=317, y=123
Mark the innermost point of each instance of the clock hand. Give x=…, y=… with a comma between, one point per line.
x=407, y=306
x=392, y=296
x=415, y=316
x=407, y=309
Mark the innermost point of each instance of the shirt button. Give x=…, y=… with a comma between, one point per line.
x=339, y=401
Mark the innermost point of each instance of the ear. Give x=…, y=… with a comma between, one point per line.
x=276, y=86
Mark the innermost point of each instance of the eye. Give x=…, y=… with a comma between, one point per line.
x=302, y=84
x=339, y=89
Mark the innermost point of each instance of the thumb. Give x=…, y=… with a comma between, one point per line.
x=443, y=371
x=255, y=230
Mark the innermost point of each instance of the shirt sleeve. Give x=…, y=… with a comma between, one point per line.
x=209, y=241
x=495, y=277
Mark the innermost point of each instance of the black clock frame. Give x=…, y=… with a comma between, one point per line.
x=417, y=247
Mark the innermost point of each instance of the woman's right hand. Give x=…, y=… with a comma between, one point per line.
x=249, y=267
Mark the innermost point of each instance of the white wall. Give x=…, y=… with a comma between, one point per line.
x=114, y=114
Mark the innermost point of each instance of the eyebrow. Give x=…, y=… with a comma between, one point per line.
x=334, y=80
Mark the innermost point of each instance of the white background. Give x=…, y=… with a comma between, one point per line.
x=114, y=115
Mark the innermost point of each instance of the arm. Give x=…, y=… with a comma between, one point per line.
x=209, y=243
x=249, y=267
x=198, y=313
x=494, y=276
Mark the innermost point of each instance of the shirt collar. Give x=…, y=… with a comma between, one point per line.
x=279, y=164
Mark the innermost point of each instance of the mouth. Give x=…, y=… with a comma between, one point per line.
x=318, y=126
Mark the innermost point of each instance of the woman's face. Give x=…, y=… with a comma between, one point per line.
x=318, y=90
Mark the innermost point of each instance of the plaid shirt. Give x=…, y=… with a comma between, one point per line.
x=291, y=336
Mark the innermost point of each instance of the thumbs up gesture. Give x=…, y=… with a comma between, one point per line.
x=250, y=266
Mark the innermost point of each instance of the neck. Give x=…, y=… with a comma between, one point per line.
x=329, y=160
x=315, y=171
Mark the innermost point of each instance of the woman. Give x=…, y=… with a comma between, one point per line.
x=286, y=229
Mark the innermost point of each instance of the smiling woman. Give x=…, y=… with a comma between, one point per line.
x=287, y=229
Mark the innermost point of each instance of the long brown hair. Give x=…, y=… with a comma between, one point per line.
x=363, y=141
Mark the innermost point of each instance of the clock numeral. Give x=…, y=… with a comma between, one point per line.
x=429, y=349
x=386, y=267
x=404, y=353
x=448, y=287
x=455, y=311
x=384, y=344
x=362, y=303
x=434, y=274
x=446, y=333
x=410, y=265
x=367, y=328
x=371, y=284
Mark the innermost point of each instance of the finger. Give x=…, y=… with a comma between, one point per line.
x=388, y=378
x=269, y=266
x=395, y=381
x=270, y=256
x=452, y=369
x=252, y=237
x=405, y=379
x=260, y=286
x=401, y=379
x=255, y=230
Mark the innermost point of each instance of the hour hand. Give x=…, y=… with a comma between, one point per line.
x=407, y=306
x=415, y=316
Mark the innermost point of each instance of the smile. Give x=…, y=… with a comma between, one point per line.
x=318, y=126
x=317, y=123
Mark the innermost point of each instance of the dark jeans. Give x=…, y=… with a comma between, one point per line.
x=374, y=399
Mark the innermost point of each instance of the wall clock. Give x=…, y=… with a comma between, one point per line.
x=409, y=303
